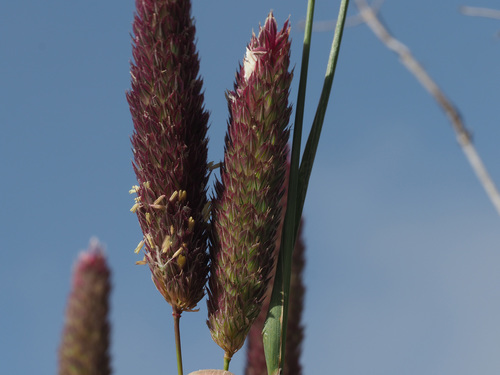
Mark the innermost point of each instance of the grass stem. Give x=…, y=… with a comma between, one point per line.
x=226, y=362
x=177, y=316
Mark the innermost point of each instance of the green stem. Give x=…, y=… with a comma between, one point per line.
x=177, y=316
x=227, y=359
x=315, y=133
x=274, y=333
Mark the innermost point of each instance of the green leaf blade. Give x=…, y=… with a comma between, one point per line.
x=274, y=332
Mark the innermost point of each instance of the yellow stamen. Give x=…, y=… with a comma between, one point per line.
x=190, y=224
x=159, y=199
x=134, y=207
x=181, y=260
x=139, y=247
x=147, y=185
x=134, y=189
x=150, y=240
x=172, y=230
x=177, y=253
x=157, y=206
x=173, y=196
x=141, y=262
x=167, y=242
x=182, y=195
x=148, y=217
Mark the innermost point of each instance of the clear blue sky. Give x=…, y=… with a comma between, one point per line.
x=403, y=247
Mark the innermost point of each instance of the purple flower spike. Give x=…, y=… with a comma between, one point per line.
x=247, y=207
x=85, y=342
x=170, y=150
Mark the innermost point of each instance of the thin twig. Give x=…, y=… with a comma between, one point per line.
x=463, y=136
x=480, y=12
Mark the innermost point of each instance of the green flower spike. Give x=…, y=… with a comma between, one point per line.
x=246, y=211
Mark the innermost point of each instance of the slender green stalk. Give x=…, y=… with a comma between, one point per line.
x=314, y=135
x=177, y=317
x=274, y=333
x=226, y=363
x=301, y=97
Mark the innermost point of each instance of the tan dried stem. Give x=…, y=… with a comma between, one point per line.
x=480, y=12
x=408, y=60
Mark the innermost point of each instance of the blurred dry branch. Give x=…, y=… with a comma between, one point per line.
x=480, y=12
x=358, y=19
x=369, y=16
